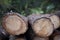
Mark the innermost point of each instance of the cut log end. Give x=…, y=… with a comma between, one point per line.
x=43, y=27
x=14, y=24
x=55, y=20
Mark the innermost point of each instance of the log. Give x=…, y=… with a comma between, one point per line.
x=17, y=37
x=41, y=25
x=57, y=13
x=3, y=34
x=14, y=23
x=57, y=37
x=20, y=39
x=40, y=38
x=54, y=19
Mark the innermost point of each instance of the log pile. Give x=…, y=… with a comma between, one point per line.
x=33, y=27
x=44, y=24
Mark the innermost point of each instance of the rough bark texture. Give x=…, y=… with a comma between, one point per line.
x=41, y=25
x=15, y=23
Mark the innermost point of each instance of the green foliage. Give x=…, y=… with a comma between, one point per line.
x=27, y=7
x=37, y=10
x=49, y=8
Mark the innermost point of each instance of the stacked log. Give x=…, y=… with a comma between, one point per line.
x=43, y=24
x=17, y=37
x=3, y=34
x=14, y=23
x=57, y=13
x=54, y=18
x=40, y=38
x=55, y=35
x=20, y=39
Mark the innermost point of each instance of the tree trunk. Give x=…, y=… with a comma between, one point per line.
x=41, y=25
x=14, y=23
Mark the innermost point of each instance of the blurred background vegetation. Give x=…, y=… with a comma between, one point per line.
x=27, y=7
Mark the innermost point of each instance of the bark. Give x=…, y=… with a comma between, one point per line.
x=54, y=19
x=3, y=34
x=14, y=23
x=41, y=24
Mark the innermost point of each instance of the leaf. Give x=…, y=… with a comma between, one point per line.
x=50, y=7
x=37, y=11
